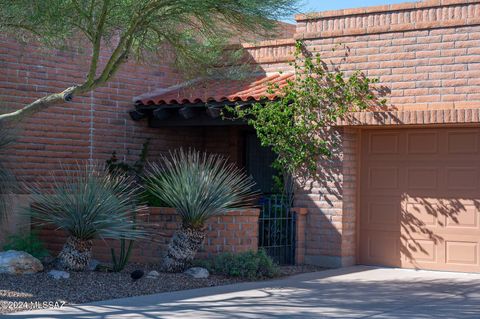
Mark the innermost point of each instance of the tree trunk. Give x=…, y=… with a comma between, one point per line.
x=75, y=254
x=182, y=249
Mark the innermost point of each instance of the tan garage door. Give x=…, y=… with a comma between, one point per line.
x=420, y=199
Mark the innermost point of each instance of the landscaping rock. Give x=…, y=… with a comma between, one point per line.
x=92, y=265
x=19, y=263
x=59, y=274
x=153, y=274
x=197, y=272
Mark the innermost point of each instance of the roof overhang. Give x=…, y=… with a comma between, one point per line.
x=203, y=102
x=189, y=114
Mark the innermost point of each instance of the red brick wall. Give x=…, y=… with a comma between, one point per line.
x=236, y=231
x=92, y=127
x=426, y=53
x=89, y=128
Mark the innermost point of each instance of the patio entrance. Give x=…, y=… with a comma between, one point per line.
x=277, y=221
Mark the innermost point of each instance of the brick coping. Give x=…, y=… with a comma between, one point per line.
x=391, y=18
x=236, y=212
x=414, y=117
x=382, y=8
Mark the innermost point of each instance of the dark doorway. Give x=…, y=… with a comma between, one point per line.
x=258, y=163
x=277, y=221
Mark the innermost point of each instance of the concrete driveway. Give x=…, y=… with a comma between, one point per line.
x=356, y=292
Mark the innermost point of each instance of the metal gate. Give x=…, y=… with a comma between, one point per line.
x=277, y=228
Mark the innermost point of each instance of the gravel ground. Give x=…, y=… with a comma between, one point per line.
x=25, y=292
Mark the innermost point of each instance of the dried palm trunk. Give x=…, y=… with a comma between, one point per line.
x=75, y=254
x=182, y=249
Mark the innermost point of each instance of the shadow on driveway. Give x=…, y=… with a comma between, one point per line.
x=356, y=292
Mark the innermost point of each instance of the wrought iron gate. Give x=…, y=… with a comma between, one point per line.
x=277, y=228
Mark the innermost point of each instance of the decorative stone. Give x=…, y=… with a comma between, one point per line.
x=92, y=265
x=59, y=274
x=197, y=272
x=153, y=274
x=19, y=263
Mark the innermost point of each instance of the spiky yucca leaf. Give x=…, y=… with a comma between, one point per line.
x=7, y=179
x=90, y=203
x=199, y=185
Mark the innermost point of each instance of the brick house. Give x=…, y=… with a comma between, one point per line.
x=402, y=188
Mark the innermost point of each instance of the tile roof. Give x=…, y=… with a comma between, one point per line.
x=203, y=91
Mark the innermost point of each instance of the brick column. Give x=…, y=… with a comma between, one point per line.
x=300, y=226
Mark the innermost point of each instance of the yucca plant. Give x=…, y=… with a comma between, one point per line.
x=7, y=179
x=88, y=203
x=199, y=186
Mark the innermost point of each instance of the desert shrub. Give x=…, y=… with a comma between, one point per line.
x=199, y=186
x=250, y=265
x=28, y=242
x=88, y=203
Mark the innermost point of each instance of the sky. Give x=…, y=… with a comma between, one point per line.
x=323, y=5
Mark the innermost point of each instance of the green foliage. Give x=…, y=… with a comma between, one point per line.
x=122, y=260
x=194, y=31
x=250, y=265
x=88, y=203
x=294, y=125
x=28, y=242
x=199, y=185
x=114, y=166
x=150, y=199
x=178, y=32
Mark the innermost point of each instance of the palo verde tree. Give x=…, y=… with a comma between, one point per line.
x=296, y=124
x=194, y=31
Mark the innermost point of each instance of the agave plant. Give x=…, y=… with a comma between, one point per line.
x=199, y=186
x=88, y=203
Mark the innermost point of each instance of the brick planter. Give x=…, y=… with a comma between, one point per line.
x=235, y=231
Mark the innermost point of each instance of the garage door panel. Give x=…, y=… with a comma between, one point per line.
x=381, y=248
x=421, y=215
x=462, y=142
x=461, y=178
x=461, y=253
x=381, y=178
x=381, y=215
x=465, y=217
x=420, y=199
x=383, y=143
x=419, y=142
x=419, y=250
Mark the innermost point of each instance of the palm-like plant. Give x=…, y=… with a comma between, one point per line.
x=88, y=203
x=199, y=186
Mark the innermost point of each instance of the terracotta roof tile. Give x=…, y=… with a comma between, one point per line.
x=202, y=91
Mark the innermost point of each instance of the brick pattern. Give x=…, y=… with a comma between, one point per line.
x=236, y=231
x=415, y=117
x=272, y=51
x=90, y=127
x=389, y=18
x=418, y=70
x=300, y=232
x=323, y=199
